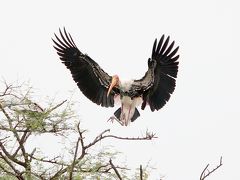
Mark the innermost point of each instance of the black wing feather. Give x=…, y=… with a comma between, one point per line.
x=88, y=75
x=159, y=82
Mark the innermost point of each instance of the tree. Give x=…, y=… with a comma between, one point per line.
x=22, y=118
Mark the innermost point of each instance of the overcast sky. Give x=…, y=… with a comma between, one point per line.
x=201, y=121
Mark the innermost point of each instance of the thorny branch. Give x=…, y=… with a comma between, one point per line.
x=206, y=172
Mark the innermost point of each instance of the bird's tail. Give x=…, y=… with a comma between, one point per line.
x=135, y=115
x=118, y=112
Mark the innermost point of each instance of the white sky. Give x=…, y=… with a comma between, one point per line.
x=201, y=121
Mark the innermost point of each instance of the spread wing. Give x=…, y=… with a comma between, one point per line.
x=88, y=75
x=159, y=82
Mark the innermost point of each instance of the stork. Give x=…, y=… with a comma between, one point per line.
x=153, y=89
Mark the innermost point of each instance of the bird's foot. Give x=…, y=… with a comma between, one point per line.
x=113, y=118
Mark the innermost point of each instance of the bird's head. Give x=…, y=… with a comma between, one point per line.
x=115, y=82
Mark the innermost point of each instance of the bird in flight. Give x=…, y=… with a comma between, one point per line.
x=153, y=89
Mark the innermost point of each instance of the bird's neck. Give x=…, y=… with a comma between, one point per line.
x=125, y=85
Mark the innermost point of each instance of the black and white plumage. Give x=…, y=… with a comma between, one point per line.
x=153, y=89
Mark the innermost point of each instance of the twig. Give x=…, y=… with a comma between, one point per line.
x=81, y=141
x=4, y=93
x=97, y=139
x=115, y=169
x=50, y=161
x=32, y=153
x=38, y=107
x=7, y=89
x=141, y=173
x=205, y=173
x=5, y=113
x=58, y=105
x=5, y=138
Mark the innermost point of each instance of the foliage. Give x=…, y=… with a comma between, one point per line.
x=23, y=118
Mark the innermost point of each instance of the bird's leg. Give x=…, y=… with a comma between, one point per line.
x=128, y=120
x=112, y=118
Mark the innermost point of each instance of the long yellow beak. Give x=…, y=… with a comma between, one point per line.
x=114, y=82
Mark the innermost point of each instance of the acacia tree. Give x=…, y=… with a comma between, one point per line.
x=22, y=118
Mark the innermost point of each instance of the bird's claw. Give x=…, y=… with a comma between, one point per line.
x=113, y=118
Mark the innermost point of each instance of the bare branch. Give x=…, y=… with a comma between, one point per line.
x=141, y=173
x=81, y=141
x=115, y=170
x=5, y=92
x=50, y=161
x=18, y=139
x=206, y=172
x=97, y=139
x=74, y=160
x=38, y=107
x=57, y=106
x=101, y=136
x=17, y=173
x=148, y=136
x=5, y=138
x=130, y=138
x=9, y=156
x=8, y=90
x=32, y=153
